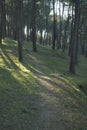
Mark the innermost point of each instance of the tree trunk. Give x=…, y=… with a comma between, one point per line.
x=28, y=29
x=3, y=18
x=61, y=25
x=33, y=24
x=72, y=26
x=65, y=31
x=54, y=26
x=41, y=38
x=20, y=29
x=77, y=44
x=74, y=38
x=0, y=22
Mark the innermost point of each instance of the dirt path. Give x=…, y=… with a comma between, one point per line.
x=58, y=107
x=51, y=108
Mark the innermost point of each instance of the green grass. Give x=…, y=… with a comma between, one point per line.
x=19, y=82
x=18, y=89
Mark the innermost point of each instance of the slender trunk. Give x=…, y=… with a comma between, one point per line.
x=41, y=38
x=61, y=24
x=54, y=26
x=77, y=44
x=27, y=32
x=0, y=22
x=65, y=31
x=3, y=18
x=20, y=29
x=86, y=51
x=28, y=28
x=59, y=35
x=72, y=26
x=75, y=35
x=33, y=24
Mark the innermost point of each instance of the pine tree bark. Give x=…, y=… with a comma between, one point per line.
x=33, y=24
x=65, y=31
x=74, y=37
x=71, y=36
x=20, y=29
x=3, y=18
x=0, y=23
x=54, y=26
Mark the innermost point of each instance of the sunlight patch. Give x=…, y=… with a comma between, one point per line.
x=22, y=68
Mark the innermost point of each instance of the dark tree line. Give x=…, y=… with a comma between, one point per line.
x=61, y=24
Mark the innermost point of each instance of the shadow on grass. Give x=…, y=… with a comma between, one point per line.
x=58, y=92
x=59, y=81
x=20, y=107
x=17, y=103
x=71, y=94
x=18, y=94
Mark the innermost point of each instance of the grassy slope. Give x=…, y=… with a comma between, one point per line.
x=19, y=82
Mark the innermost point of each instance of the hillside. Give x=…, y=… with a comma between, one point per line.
x=40, y=94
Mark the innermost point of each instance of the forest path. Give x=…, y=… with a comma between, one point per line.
x=58, y=106
x=36, y=95
x=51, y=106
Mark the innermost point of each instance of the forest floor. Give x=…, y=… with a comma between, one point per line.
x=40, y=94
